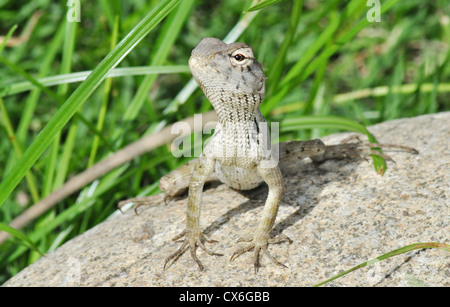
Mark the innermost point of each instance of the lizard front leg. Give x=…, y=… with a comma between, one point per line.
x=271, y=174
x=193, y=236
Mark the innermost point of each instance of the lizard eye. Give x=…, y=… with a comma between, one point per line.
x=239, y=57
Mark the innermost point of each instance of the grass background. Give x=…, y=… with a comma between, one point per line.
x=321, y=58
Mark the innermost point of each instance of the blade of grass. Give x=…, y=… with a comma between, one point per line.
x=21, y=236
x=280, y=59
x=69, y=144
x=31, y=180
x=305, y=122
x=55, y=96
x=392, y=101
x=379, y=91
x=23, y=86
x=164, y=43
x=104, y=106
x=311, y=104
x=433, y=105
x=317, y=102
x=7, y=37
x=432, y=101
x=80, y=95
x=33, y=97
x=32, y=80
x=64, y=160
x=60, y=238
x=66, y=65
x=345, y=38
x=263, y=4
x=393, y=253
x=108, y=10
x=298, y=74
x=320, y=42
x=297, y=71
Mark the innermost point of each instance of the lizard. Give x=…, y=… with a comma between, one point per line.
x=239, y=152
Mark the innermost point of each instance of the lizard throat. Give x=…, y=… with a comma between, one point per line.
x=234, y=107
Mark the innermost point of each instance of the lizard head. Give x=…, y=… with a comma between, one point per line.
x=233, y=68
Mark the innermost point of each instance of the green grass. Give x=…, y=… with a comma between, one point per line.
x=329, y=69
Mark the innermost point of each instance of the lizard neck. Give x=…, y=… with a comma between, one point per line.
x=234, y=108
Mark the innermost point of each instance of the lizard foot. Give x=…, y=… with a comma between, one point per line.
x=192, y=240
x=260, y=246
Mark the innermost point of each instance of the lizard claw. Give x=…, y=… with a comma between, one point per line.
x=192, y=241
x=260, y=245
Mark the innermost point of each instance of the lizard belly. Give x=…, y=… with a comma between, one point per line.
x=239, y=178
x=238, y=148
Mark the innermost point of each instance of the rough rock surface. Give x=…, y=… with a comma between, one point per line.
x=339, y=214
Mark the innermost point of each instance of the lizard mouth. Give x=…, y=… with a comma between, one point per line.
x=197, y=64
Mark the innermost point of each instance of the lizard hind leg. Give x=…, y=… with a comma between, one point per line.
x=271, y=174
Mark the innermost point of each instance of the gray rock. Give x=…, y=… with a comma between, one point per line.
x=339, y=214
